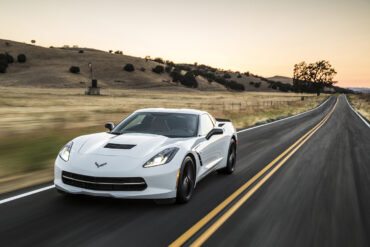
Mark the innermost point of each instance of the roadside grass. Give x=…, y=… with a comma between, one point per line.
x=33, y=151
x=36, y=123
x=361, y=102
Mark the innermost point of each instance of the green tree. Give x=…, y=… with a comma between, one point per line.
x=313, y=77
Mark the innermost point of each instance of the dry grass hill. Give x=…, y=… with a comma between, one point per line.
x=49, y=67
x=283, y=79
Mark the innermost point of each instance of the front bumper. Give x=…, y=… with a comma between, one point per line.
x=160, y=181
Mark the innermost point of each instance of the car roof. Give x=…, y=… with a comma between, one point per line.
x=171, y=110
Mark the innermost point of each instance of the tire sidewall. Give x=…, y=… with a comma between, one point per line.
x=230, y=169
x=180, y=195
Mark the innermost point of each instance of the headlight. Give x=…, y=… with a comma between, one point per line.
x=65, y=152
x=162, y=158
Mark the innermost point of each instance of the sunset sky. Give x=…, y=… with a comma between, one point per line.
x=265, y=37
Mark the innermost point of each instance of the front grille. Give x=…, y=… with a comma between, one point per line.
x=119, y=146
x=103, y=183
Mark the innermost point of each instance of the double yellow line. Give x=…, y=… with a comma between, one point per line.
x=215, y=225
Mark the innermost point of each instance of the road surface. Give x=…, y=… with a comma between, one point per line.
x=303, y=181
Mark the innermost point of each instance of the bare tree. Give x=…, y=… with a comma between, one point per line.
x=313, y=76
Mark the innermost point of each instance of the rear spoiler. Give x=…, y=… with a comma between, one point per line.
x=222, y=120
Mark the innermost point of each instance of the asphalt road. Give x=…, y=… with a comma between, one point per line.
x=320, y=196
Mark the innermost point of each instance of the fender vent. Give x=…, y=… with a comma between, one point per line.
x=119, y=146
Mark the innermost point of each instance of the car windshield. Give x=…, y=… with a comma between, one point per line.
x=160, y=123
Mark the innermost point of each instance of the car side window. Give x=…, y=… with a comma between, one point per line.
x=206, y=125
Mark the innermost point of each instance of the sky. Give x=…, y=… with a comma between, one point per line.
x=265, y=37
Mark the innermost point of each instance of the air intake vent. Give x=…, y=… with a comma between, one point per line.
x=104, y=183
x=119, y=146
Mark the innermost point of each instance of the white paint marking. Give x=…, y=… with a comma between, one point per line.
x=255, y=127
x=367, y=124
x=52, y=186
x=26, y=194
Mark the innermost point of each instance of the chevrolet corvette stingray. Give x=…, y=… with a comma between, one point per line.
x=154, y=153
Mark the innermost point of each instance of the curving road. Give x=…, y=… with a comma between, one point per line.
x=303, y=181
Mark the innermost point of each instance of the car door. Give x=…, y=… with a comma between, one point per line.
x=208, y=150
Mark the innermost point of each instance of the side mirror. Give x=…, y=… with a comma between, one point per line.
x=109, y=126
x=214, y=131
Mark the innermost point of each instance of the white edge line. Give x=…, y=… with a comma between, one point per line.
x=367, y=124
x=52, y=186
x=26, y=194
x=262, y=125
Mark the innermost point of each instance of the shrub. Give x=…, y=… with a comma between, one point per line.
x=283, y=89
x=239, y=76
x=183, y=67
x=3, y=63
x=129, y=67
x=210, y=77
x=189, y=80
x=227, y=76
x=235, y=86
x=3, y=58
x=176, y=76
x=170, y=63
x=110, y=51
x=3, y=67
x=51, y=47
x=118, y=52
x=21, y=58
x=9, y=58
x=81, y=51
x=246, y=74
x=74, y=69
x=168, y=69
x=257, y=84
x=158, y=69
x=7, y=44
x=142, y=69
x=159, y=60
x=251, y=83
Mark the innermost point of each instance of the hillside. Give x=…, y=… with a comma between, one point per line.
x=283, y=79
x=360, y=89
x=49, y=67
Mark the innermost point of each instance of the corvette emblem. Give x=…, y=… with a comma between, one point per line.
x=102, y=164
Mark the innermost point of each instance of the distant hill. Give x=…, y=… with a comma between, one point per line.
x=283, y=79
x=49, y=67
x=360, y=89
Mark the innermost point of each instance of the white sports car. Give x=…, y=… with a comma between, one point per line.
x=153, y=154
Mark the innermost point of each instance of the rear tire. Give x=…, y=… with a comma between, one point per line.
x=186, y=181
x=231, y=159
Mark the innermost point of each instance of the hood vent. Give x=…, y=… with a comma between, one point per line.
x=119, y=146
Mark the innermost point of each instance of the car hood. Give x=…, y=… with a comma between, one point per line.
x=144, y=144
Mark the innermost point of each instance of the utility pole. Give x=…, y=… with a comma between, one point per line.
x=93, y=89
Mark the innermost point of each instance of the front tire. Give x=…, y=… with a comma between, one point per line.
x=231, y=159
x=186, y=181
